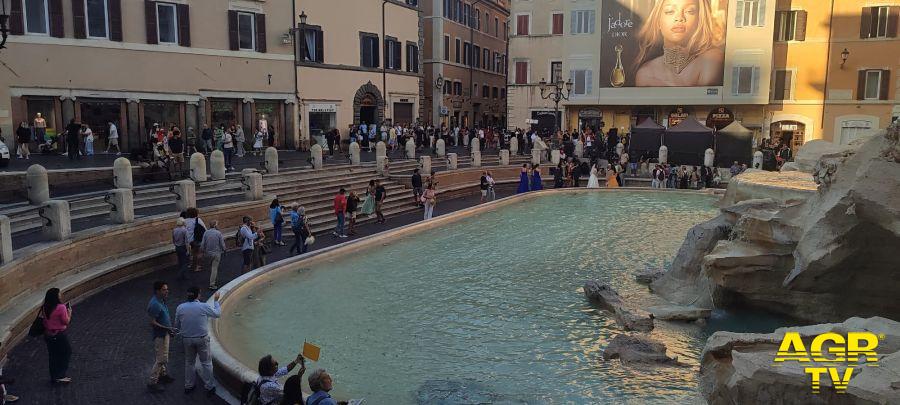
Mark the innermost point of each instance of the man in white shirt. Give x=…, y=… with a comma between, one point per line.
x=192, y=320
x=113, y=138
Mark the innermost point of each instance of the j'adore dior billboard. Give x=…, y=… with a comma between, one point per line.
x=662, y=43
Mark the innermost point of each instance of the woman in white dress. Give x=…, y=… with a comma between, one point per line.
x=593, y=181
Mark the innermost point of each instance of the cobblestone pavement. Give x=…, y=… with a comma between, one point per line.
x=110, y=334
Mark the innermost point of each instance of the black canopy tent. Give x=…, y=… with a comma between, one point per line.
x=688, y=141
x=645, y=140
x=734, y=143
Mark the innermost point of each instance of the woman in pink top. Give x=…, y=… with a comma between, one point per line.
x=56, y=317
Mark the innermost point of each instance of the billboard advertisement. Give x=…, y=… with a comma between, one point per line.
x=662, y=43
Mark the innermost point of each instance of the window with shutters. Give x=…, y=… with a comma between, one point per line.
x=496, y=27
x=555, y=72
x=873, y=85
x=392, y=54
x=495, y=92
x=447, y=48
x=521, y=72
x=96, y=18
x=522, y=21
x=783, y=86
x=745, y=80
x=486, y=59
x=582, y=22
x=448, y=87
x=412, y=58
x=476, y=62
x=457, y=88
x=582, y=81
x=457, y=49
x=368, y=50
x=879, y=22
x=790, y=25
x=750, y=13
x=166, y=23
x=464, y=18
x=312, y=41
x=557, y=24
x=36, y=17
x=485, y=92
x=246, y=31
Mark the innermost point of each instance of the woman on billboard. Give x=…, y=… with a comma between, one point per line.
x=680, y=45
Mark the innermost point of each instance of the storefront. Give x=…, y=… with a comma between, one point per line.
x=164, y=113
x=97, y=114
x=46, y=107
x=590, y=118
x=223, y=112
x=547, y=121
x=322, y=117
x=271, y=112
x=403, y=112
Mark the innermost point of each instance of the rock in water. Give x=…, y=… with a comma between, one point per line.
x=679, y=313
x=637, y=349
x=739, y=368
x=648, y=275
x=609, y=299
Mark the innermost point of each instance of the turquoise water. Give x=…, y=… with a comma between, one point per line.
x=488, y=309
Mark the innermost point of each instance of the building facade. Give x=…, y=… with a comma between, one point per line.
x=136, y=63
x=358, y=67
x=466, y=61
x=774, y=66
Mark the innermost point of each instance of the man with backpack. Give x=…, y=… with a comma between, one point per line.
x=195, y=230
x=300, y=229
x=245, y=238
x=267, y=390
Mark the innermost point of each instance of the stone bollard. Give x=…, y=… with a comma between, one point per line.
x=514, y=145
x=217, y=165
x=504, y=157
x=757, y=160
x=354, y=153
x=271, y=156
x=441, y=148
x=315, y=153
x=6, y=250
x=476, y=158
x=56, y=212
x=37, y=185
x=554, y=157
x=709, y=158
x=121, y=200
x=663, y=154
x=198, y=167
x=476, y=145
x=410, y=149
x=381, y=163
x=579, y=149
x=122, y=173
x=425, y=161
x=186, y=194
x=253, y=186
x=452, y=161
x=620, y=149
x=380, y=150
x=536, y=156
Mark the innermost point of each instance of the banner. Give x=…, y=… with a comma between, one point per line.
x=662, y=43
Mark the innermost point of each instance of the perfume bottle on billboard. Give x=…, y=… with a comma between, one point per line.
x=617, y=78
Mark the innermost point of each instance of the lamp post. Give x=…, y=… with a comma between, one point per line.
x=844, y=55
x=556, y=91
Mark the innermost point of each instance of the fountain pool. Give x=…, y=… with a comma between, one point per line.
x=486, y=308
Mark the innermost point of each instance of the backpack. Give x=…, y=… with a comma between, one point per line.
x=199, y=230
x=250, y=394
x=238, y=238
x=660, y=175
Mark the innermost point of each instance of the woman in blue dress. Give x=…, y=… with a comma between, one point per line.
x=523, y=180
x=536, y=184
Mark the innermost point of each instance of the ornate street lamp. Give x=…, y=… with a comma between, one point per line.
x=556, y=91
x=844, y=55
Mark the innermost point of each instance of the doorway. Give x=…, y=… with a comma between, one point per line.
x=97, y=115
x=790, y=133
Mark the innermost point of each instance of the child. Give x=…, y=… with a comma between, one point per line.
x=258, y=142
x=88, y=140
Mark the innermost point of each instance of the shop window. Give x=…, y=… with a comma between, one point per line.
x=164, y=113
x=750, y=13
x=44, y=106
x=369, y=55
x=223, y=112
